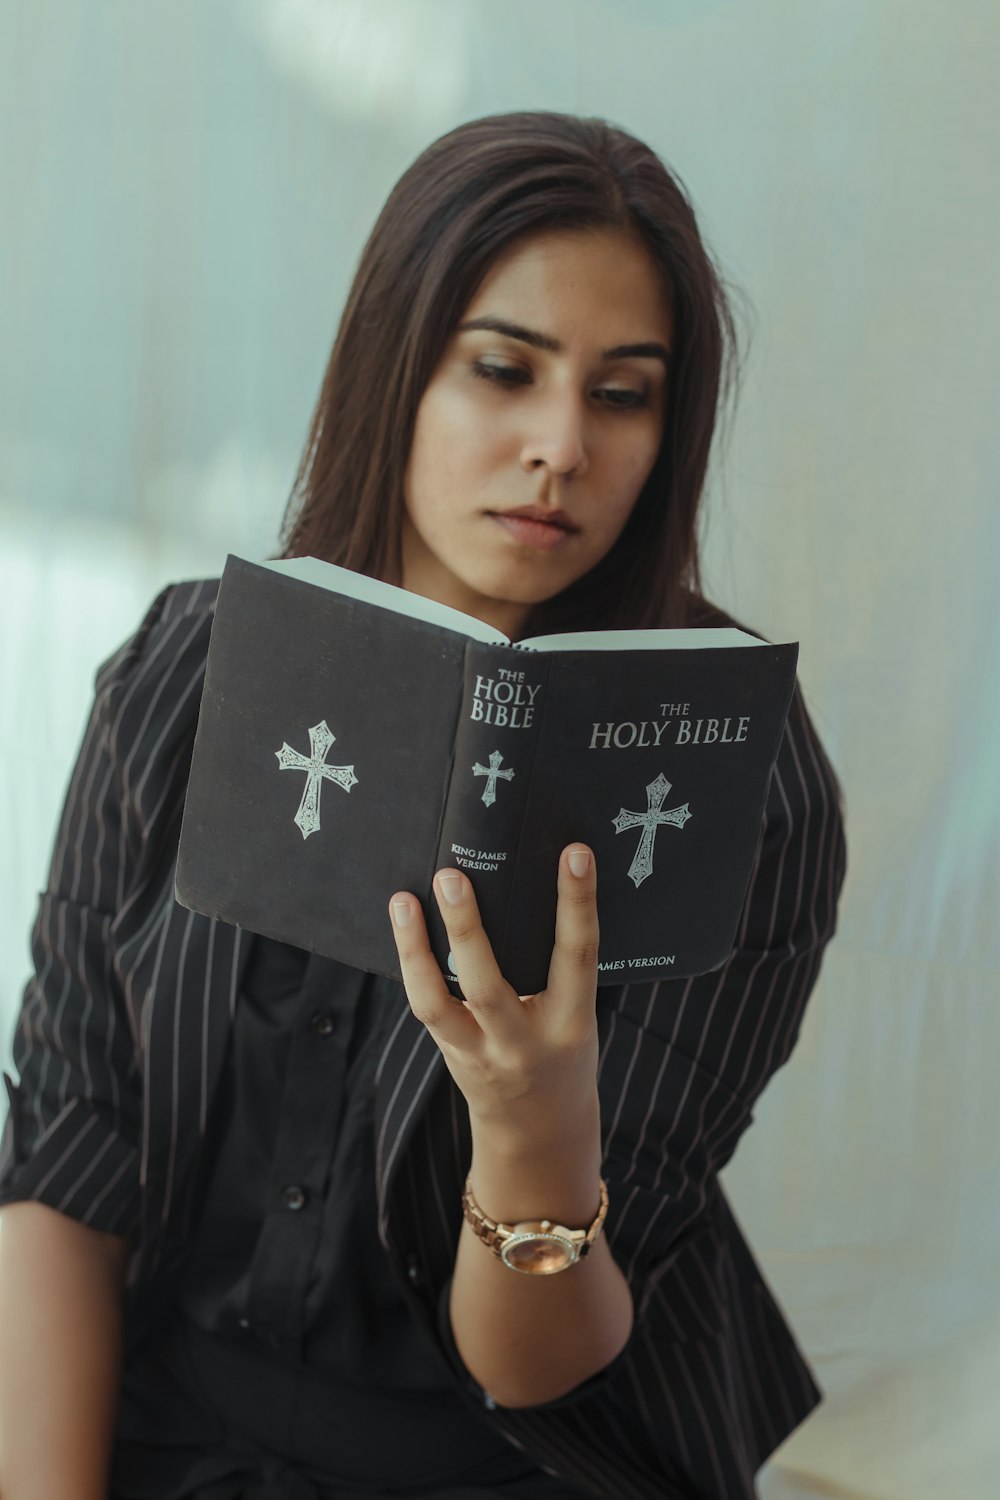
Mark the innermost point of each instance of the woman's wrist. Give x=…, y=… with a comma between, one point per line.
x=547, y=1129
x=553, y=1175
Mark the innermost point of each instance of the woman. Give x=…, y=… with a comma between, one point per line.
x=270, y=1152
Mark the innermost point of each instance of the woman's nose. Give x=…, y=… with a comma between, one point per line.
x=557, y=438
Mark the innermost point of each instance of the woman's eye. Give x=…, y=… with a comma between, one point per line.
x=625, y=399
x=618, y=398
x=502, y=374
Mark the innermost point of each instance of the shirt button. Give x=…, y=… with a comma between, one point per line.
x=293, y=1197
x=413, y=1271
x=322, y=1025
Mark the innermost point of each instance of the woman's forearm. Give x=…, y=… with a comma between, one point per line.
x=527, y=1066
x=530, y=1339
x=61, y=1300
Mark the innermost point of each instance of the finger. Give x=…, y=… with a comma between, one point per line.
x=488, y=995
x=445, y=1017
x=573, y=966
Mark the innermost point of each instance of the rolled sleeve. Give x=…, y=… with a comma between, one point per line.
x=81, y=1165
x=74, y=1124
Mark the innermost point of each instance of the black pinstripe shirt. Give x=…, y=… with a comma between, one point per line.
x=285, y=1265
x=126, y=1022
x=285, y=1250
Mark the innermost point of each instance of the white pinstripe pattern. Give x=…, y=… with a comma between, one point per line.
x=63, y=1158
x=54, y=1127
x=92, y=1214
x=127, y=985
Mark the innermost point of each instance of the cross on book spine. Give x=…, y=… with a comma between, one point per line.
x=493, y=773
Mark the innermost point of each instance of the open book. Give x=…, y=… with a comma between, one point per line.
x=354, y=738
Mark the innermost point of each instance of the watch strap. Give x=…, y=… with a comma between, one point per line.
x=495, y=1234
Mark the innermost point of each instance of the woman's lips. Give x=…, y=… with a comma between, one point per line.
x=541, y=534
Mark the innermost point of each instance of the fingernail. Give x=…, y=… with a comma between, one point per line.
x=451, y=888
x=579, y=861
x=401, y=913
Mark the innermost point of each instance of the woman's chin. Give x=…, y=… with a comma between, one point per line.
x=521, y=579
x=518, y=594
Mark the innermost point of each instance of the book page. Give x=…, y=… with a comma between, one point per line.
x=339, y=580
x=643, y=640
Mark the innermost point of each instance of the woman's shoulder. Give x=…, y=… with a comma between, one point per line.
x=148, y=691
x=180, y=613
x=193, y=602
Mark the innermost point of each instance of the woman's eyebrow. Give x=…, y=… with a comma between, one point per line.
x=650, y=350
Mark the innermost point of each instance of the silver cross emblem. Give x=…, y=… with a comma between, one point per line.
x=493, y=774
x=317, y=771
x=656, y=791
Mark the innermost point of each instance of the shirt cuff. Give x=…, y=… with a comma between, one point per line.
x=80, y=1165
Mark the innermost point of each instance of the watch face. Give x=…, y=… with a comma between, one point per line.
x=538, y=1254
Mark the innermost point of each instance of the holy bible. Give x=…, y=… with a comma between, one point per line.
x=354, y=738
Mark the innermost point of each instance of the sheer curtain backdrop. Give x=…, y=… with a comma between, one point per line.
x=185, y=188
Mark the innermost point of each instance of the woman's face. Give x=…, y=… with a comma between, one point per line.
x=556, y=400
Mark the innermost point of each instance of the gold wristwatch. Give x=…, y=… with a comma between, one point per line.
x=535, y=1246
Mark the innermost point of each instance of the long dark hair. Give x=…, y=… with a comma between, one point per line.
x=462, y=203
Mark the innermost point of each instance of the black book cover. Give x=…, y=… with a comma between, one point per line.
x=354, y=738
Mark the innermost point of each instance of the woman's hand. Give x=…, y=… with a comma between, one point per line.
x=527, y=1065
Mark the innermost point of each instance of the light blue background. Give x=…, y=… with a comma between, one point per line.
x=185, y=189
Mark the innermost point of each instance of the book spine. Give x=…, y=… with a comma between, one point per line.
x=482, y=825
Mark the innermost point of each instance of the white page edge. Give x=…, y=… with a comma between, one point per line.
x=338, y=580
x=331, y=576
